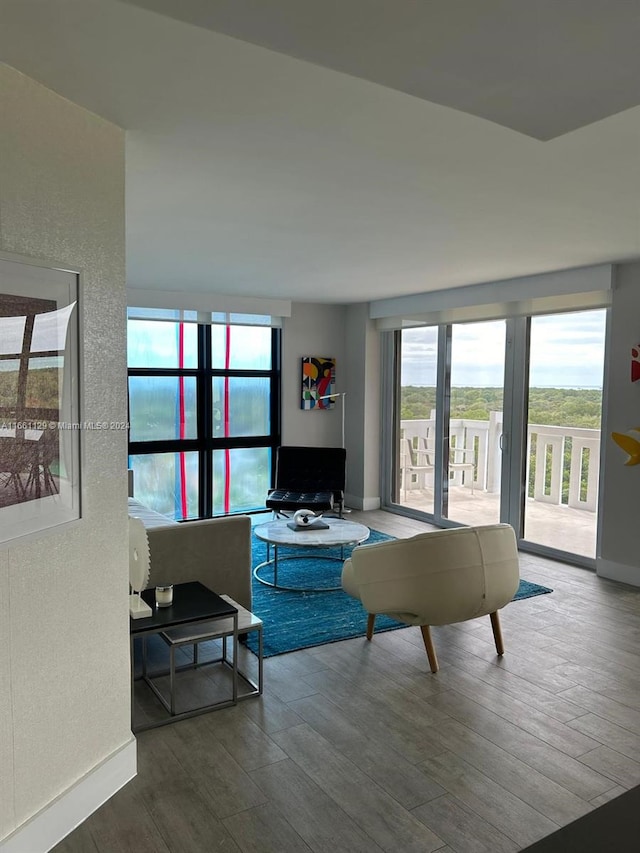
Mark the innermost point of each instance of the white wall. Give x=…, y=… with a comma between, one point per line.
x=619, y=549
x=319, y=330
x=347, y=334
x=362, y=346
x=64, y=662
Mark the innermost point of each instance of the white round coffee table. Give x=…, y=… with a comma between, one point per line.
x=278, y=533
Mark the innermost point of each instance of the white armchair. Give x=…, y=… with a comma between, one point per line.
x=437, y=578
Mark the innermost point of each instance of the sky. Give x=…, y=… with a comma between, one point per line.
x=154, y=343
x=567, y=351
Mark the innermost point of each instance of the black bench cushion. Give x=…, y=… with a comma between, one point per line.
x=308, y=478
x=285, y=499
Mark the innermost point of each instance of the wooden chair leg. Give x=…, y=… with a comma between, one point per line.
x=497, y=632
x=428, y=644
x=370, y=623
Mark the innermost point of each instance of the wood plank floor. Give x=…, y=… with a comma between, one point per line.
x=356, y=746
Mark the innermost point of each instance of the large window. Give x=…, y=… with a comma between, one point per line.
x=204, y=414
x=500, y=421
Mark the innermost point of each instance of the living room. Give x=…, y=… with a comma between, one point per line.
x=66, y=743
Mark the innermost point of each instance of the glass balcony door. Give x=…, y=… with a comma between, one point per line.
x=450, y=421
x=415, y=462
x=500, y=421
x=472, y=440
x=566, y=363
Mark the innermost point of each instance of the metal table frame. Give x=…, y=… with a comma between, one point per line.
x=193, y=603
x=301, y=543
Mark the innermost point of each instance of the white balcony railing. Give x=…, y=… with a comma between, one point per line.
x=479, y=441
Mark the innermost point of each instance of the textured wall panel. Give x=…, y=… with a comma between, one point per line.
x=620, y=541
x=7, y=817
x=62, y=200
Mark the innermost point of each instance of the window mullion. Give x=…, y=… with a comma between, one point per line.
x=275, y=414
x=205, y=421
x=514, y=428
x=443, y=408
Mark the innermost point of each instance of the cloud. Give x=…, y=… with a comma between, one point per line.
x=567, y=350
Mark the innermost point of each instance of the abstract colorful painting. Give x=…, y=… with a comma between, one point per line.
x=318, y=380
x=635, y=363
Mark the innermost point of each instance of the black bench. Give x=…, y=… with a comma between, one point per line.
x=308, y=478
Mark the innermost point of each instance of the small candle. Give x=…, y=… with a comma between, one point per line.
x=164, y=596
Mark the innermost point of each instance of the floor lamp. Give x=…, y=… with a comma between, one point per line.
x=342, y=394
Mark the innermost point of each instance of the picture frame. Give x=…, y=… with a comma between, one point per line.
x=318, y=382
x=40, y=425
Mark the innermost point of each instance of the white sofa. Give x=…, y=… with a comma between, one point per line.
x=214, y=551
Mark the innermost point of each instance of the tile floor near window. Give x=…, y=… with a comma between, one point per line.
x=355, y=746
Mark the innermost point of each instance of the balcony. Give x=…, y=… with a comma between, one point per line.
x=561, y=476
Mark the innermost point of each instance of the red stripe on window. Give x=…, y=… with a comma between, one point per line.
x=227, y=452
x=182, y=425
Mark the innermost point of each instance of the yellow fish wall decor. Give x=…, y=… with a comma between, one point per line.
x=629, y=444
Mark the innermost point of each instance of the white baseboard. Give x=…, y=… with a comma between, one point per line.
x=364, y=504
x=618, y=572
x=370, y=504
x=57, y=819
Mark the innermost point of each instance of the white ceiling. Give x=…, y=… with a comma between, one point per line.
x=543, y=68
x=257, y=173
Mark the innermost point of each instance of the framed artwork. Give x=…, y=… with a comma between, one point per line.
x=39, y=406
x=635, y=363
x=318, y=381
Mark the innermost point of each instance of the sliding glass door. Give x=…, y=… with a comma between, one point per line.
x=566, y=362
x=473, y=431
x=415, y=454
x=500, y=421
x=450, y=424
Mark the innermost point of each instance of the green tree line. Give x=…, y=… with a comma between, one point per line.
x=570, y=407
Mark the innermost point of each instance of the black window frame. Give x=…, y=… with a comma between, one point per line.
x=206, y=443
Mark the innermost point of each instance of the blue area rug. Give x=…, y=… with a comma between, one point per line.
x=301, y=620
